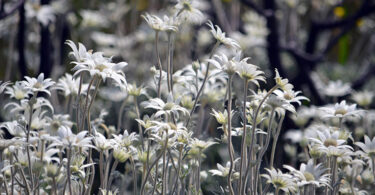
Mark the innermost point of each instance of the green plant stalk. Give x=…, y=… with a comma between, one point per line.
x=243, y=143
x=255, y=118
x=178, y=170
x=203, y=83
x=6, y=186
x=159, y=62
x=54, y=185
x=139, y=118
x=334, y=170
x=198, y=182
x=264, y=149
x=86, y=104
x=276, y=137
x=12, y=175
x=169, y=75
x=229, y=129
x=68, y=169
x=149, y=170
x=134, y=176
x=156, y=178
x=111, y=173
x=27, y=186
x=101, y=171
x=79, y=99
x=31, y=103
x=119, y=119
x=164, y=186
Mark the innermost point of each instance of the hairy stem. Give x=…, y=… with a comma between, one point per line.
x=202, y=86
x=275, y=138
x=229, y=129
x=159, y=62
x=243, y=142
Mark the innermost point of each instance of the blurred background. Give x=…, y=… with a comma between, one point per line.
x=324, y=47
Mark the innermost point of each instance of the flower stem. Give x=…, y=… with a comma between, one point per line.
x=230, y=146
x=159, y=62
x=169, y=74
x=164, y=186
x=203, y=83
x=243, y=143
x=275, y=138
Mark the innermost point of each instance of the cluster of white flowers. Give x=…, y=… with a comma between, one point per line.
x=59, y=137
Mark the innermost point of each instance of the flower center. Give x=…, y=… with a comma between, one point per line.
x=38, y=85
x=168, y=106
x=309, y=176
x=330, y=142
x=341, y=111
x=100, y=67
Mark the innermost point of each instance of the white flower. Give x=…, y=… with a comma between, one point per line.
x=281, y=181
x=340, y=110
x=187, y=11
x=310, y=174
x=250, y=72
x=363, y=98
x=290, y=96
x=18, y=91
x=14, y=128
x=3, y=85
x=124, y=140
x=67, y=138
x=159, y=24
x=223, y=171
x=168, y=108
x=282, y=83
x=101, y=142
x=337, y=89
x=330, y=143
x=219, y=35
x=38, y=84
x=276, y=102
x=79, y=54
x=43, y=13
x=224, y=64
x=368, y=147
x=69, y=85
x=102, y=67
x=56, y=122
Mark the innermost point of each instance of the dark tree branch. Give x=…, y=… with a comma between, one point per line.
x=11, y=11
x=364, y=77
x=21, y=41
x=256, y=8
x=273, y=48
x=46, y=61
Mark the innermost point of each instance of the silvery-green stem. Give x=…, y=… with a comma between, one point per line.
x=275, y=138
x=198, y=182
x=27, y=186
x=54, y=185
x=31, y=103
x=150, y=168
x=68, y=169
x=140, y=131
x=203, y=83
x=178, y=170
x=5, y=186
x=134, y=176
x=334, y=170
x=78, y=101
x=164, y=186
x=169, y=63
x=111, y=174
x=159, y=62
x=86, y=104
x=101, y=171
x=264, y=148
x=229, y=129
x=243, y=143
x=119, y=119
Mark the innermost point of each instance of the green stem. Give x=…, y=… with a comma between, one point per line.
x=203, y=83
x=229, y=129
x=243, y=143
x=159, y=62
x=164, y=186
x=276, y=137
